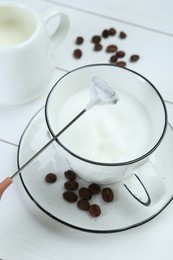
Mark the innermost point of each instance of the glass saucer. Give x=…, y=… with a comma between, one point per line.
x=122, y=214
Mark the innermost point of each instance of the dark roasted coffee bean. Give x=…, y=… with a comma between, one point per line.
x=121, y=63
x=98, y=47
x=70, y=196
x=77, y=53
x=71, y=185
x=107, y=194
x=79, y=40
x=83, y=204
x=105, y=33
x=94, y=210
x=122, y=35
x=111, y=48
x=120, y=54
x=85, y=193
x=94, y=188
x=112, y=31
x=50, y=178
x=134, y=57
x=113, y=58
x=96, y=39
x=70, y=175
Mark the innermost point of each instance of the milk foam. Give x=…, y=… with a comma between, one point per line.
x=109, y=133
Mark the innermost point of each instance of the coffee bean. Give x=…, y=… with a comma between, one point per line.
x=111, y=48
x=71, y=185
x=83, y=204
x=77, y=53
x=50, y=178
x=112, y=31
x=94, y=210
x=94, y=188
x=121, y=63
x=105, y=33
x=70, y=196
x=85, y=193
x=79, y=40
x=122, y=35
x=134, y=57
x=70, y=175
x=98, y=47
x=96, y=39
x=120, y=54
x=107, y=194
x=113, y=58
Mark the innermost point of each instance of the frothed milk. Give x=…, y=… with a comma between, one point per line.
x=109, y=133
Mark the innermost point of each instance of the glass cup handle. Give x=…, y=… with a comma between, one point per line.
x=145, y=185
x=60, y=32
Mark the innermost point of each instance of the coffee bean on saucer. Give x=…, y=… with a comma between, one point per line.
x=107, y=194
x=134, y=57
x=98, y=47
x=96, y=39
x=83, y=204
x=77, y=53
x=94, y=210
x=122, y=35
x=79, y=40
x=94, y=188
x=50, y=178
x=71, y=185
x=121, y=63
x=85, y=193
x=70, y=175
x=70, y=196
x=111, y=48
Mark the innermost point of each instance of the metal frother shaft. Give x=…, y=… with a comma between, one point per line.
x=100, y=93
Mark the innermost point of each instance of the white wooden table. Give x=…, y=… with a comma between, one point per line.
x=25, y=231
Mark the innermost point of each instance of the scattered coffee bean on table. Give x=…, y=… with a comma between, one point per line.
x=94, y=210
x=96, y=39
x=98, y=47
x=134, y=57
x=120, y=54
x=83, y=204
x=111, y=48
x=107, y=194
x=51, y=178
x=122, y=35
x=71, y=185
x=121, y=63
x=70, y=175
x=112, y=31
x=113, y=58
x=70, y=196
x=105, y=33
x=77, y=53
x=79, y=40
x=94, y=188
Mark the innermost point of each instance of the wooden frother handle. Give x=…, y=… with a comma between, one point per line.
x=4, y=185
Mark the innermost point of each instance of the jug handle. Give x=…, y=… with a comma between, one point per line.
x=60, y=32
